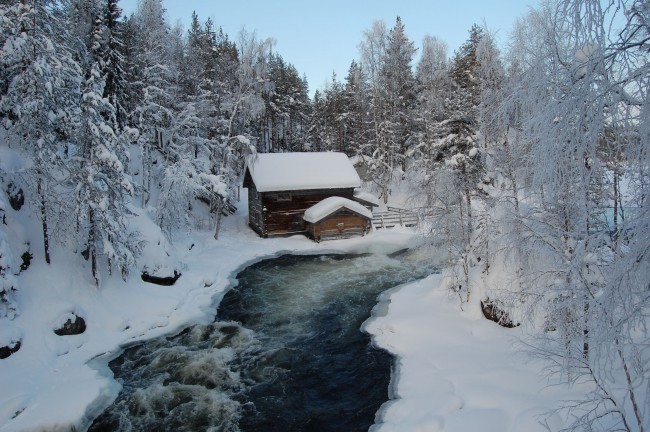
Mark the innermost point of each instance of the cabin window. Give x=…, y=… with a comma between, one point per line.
x=283, y=197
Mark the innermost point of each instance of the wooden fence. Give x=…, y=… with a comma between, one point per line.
x=394, y=217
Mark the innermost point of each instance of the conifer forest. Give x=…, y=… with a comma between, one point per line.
x=529, y=159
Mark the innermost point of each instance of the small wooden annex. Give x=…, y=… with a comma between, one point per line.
x=337, y=217
x=283, y=186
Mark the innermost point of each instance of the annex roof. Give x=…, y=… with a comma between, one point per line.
x=272, y=172
x=330, y=205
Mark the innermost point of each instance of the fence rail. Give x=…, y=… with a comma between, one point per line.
x=394, y=217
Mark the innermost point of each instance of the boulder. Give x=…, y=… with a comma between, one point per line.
x=494, y=312
x=16, y=196
x=8, y=350
x=27, y=260
x=161, y=280
x=72, y=328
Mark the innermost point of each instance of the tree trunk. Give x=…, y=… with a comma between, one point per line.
x=92, y=253
x=585, y=330
x=146, y=165
x=615, y=208
x=218, y=216
x=511, y=174
x=468, y=200
x=630, y=390
x=46, y=236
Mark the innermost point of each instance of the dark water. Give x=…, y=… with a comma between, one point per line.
x=285, y=353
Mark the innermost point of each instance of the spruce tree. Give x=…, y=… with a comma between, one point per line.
x=41, y=82
x=154, y=110
x=389, y=58
x=8, y=283
x=102, y=186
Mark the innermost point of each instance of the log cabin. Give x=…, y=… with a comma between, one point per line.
x=282, y=186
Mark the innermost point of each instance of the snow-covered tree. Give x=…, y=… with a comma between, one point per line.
x=434, y=87
x=341, y=117
x=399, y=91
x=41, y=82
x=101, y=184
x=355, y=107
x=462, y=124
x=388, y=58
x=154, y=113
x=113, y=62
x=491, y=77
x=578, y=96
x=286, y=106
x=8, y=283
x=317, y=134
x=450, y=165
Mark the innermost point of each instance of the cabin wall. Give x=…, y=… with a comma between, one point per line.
x=283, y=210
x=255, y=210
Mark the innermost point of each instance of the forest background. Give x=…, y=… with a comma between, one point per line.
x=533, y=160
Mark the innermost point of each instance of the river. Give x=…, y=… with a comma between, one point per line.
x=285, y=353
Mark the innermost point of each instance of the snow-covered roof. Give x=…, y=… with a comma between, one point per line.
x=272, y=172
x=366, y=196
x=330, y=205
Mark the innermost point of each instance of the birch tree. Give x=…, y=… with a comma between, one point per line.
x=586, y=87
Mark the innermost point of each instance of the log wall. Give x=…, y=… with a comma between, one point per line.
x=280, y=213
x=342, y=224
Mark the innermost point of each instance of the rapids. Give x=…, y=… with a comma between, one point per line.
x=285, y=353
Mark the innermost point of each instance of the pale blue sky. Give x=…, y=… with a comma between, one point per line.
x=319, y=37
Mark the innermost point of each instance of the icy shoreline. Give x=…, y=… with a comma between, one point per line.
x=55, y=383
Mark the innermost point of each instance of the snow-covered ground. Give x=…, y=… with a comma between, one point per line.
x=455, y=371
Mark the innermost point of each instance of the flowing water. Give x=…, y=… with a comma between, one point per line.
x=285, y=353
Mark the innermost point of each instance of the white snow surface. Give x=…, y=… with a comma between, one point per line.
x=455, y=370
x=330, y=205
x=273, y=172
x=11, y=161
x=366, y=196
